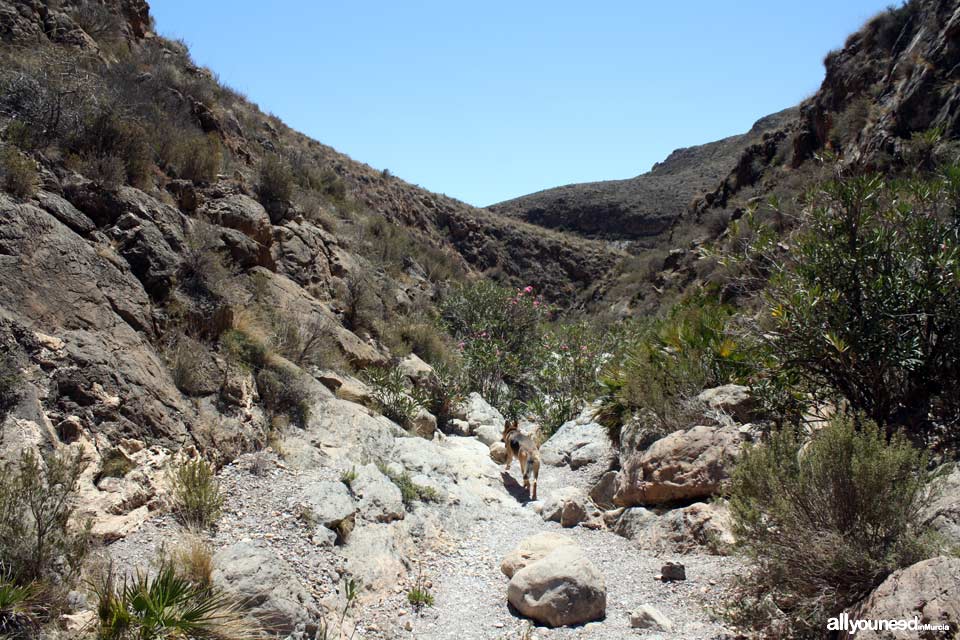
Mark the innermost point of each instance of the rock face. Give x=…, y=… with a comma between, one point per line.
x=686, y=465
x=562, y=588
x=929, y=590
x=578, y=443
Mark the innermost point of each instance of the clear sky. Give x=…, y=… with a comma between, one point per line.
x=489, y=100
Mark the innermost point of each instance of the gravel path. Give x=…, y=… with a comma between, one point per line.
x=470, y=590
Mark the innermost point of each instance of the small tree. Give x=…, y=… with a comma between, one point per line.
x=37, y=539
x=866, y=301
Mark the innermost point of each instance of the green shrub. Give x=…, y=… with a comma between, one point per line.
x=195, y=490
x=18, y=172
x=499, y=334
x=283, y=390
x=204, y=271
x=20, y=610
x=362, y=310
x=410, y=491
x=199, y=158
x=660, y=365
x=244, y=348
x=275, y=181
x=394, y=398
x=303, y=339
x=865, y=306
x=824, y=523
x=419, y=336
x=37, y=539
x=419, y=595
x=443, y=392
x=167, y=605
x=11, y=383
x=568, y=378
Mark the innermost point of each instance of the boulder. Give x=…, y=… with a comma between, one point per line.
x=415, y=369
x=498, y=452
x=265, y=584
x=379, y=498
x=330, y=502
x=928, y=590
x=424, y=424
x=730, y=399
x=602, y=492
x=685, y=465
x=578, y=443
x=634, y=522
x=650, y=618
x=943, y=513
x=476, y=411
x=563, y=588
x=570, y=506
x=673, y=571
x=458, y=427
x=532, y=549
x=488, y=433
x=244, y=214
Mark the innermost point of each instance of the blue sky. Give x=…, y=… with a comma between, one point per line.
x=490, y=100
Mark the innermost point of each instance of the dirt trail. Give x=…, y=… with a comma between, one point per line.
x=470, y=590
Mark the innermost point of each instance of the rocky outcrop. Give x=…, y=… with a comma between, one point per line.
x=686, y=465
x=943, y=513
x=928, y=590
x=562, y=588
x=533, y=549
x=698, y=528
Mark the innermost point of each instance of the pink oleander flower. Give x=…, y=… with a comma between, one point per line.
x=527, y=289
x=536, y=303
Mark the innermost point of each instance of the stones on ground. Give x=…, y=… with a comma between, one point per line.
x=685, y=465
x=498, y=452
x=570, y=506
x=696, y=528
x=650, y=618
x=730, y=399
x=673, y=571
x=929, y=590
x=532, y=549
x=458, y=427
x=265, y=585
x=577, y=443
x=488, y=434
x=562, y=588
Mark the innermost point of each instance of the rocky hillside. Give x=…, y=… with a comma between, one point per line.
x=645, y=208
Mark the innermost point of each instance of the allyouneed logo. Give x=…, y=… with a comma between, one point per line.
x=844, y=622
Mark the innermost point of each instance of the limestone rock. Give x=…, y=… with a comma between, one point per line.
x=265, y=584
x=650, y=618
x=929, y=590
x=730, y=399
x=563, y=588
x=685, y=465
x=533, y=549
x=578, y=443
x=379, y=499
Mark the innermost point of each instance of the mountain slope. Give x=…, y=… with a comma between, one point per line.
x=642, y=208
